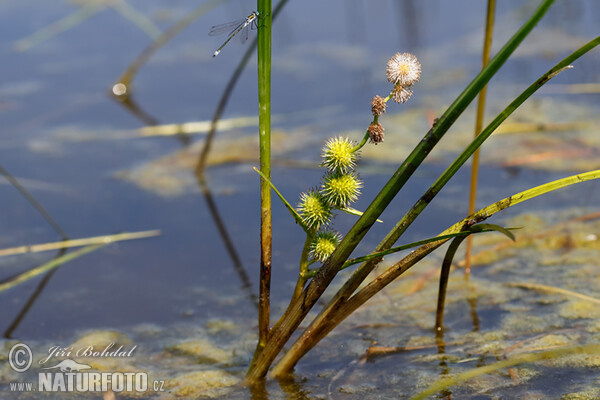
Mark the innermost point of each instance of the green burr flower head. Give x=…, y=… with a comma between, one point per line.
x=313, y=209
x=324, y=244
x=338, y=155
x=339, y=190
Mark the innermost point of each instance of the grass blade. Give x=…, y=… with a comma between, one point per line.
x=34, y=272
x=106, y=239
x=287, y=205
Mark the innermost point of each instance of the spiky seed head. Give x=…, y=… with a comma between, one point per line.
x=403, y=69
x=338, y=155
x=313, y=209
x=375, y=133
x=378, y=105
x=324, y=243
x=339, y=190
x=401, y=94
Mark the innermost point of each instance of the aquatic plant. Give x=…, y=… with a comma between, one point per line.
x=340, y=187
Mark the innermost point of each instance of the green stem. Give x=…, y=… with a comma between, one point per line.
x=264, y=122
x=444, y=275
x=290, y=321
x=362, y=143
x=303, y=274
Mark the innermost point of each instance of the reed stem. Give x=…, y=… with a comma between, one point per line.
x=264, y=123
x=487, y=47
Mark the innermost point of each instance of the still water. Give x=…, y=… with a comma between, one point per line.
x=79, y=152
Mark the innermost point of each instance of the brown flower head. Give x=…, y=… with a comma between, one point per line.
x=401, y=94
x=375, y=133
x=378, y=105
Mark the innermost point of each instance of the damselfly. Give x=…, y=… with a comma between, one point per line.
x=235, y=27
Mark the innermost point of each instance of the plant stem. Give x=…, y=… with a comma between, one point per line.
x=264, y=122
x=303, y=274
x=296, y=312
x=487, y=47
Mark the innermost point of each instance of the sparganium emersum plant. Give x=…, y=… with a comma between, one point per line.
x=340, y=187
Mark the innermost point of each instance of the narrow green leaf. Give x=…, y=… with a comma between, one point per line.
x=354, y=211
x=444, y=274
x=447, y=263
x=287, y=205
x=493, y=227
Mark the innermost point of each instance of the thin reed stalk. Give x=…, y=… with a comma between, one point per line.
x=487, y=48
x=264, y=121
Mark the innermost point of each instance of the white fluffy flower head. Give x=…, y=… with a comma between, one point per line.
x=403, y=69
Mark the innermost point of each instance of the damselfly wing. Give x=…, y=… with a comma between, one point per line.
x=240, y=27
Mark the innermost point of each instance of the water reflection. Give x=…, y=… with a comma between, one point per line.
x=293, y=388
x=229, y=244
x=8, y=333
x=42, y=285
x=126, y=100
x=472, y=300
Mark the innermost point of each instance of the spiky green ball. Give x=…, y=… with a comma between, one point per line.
x=313, y=209
x=324, y=244
x=339, y=190
x=338, y=155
